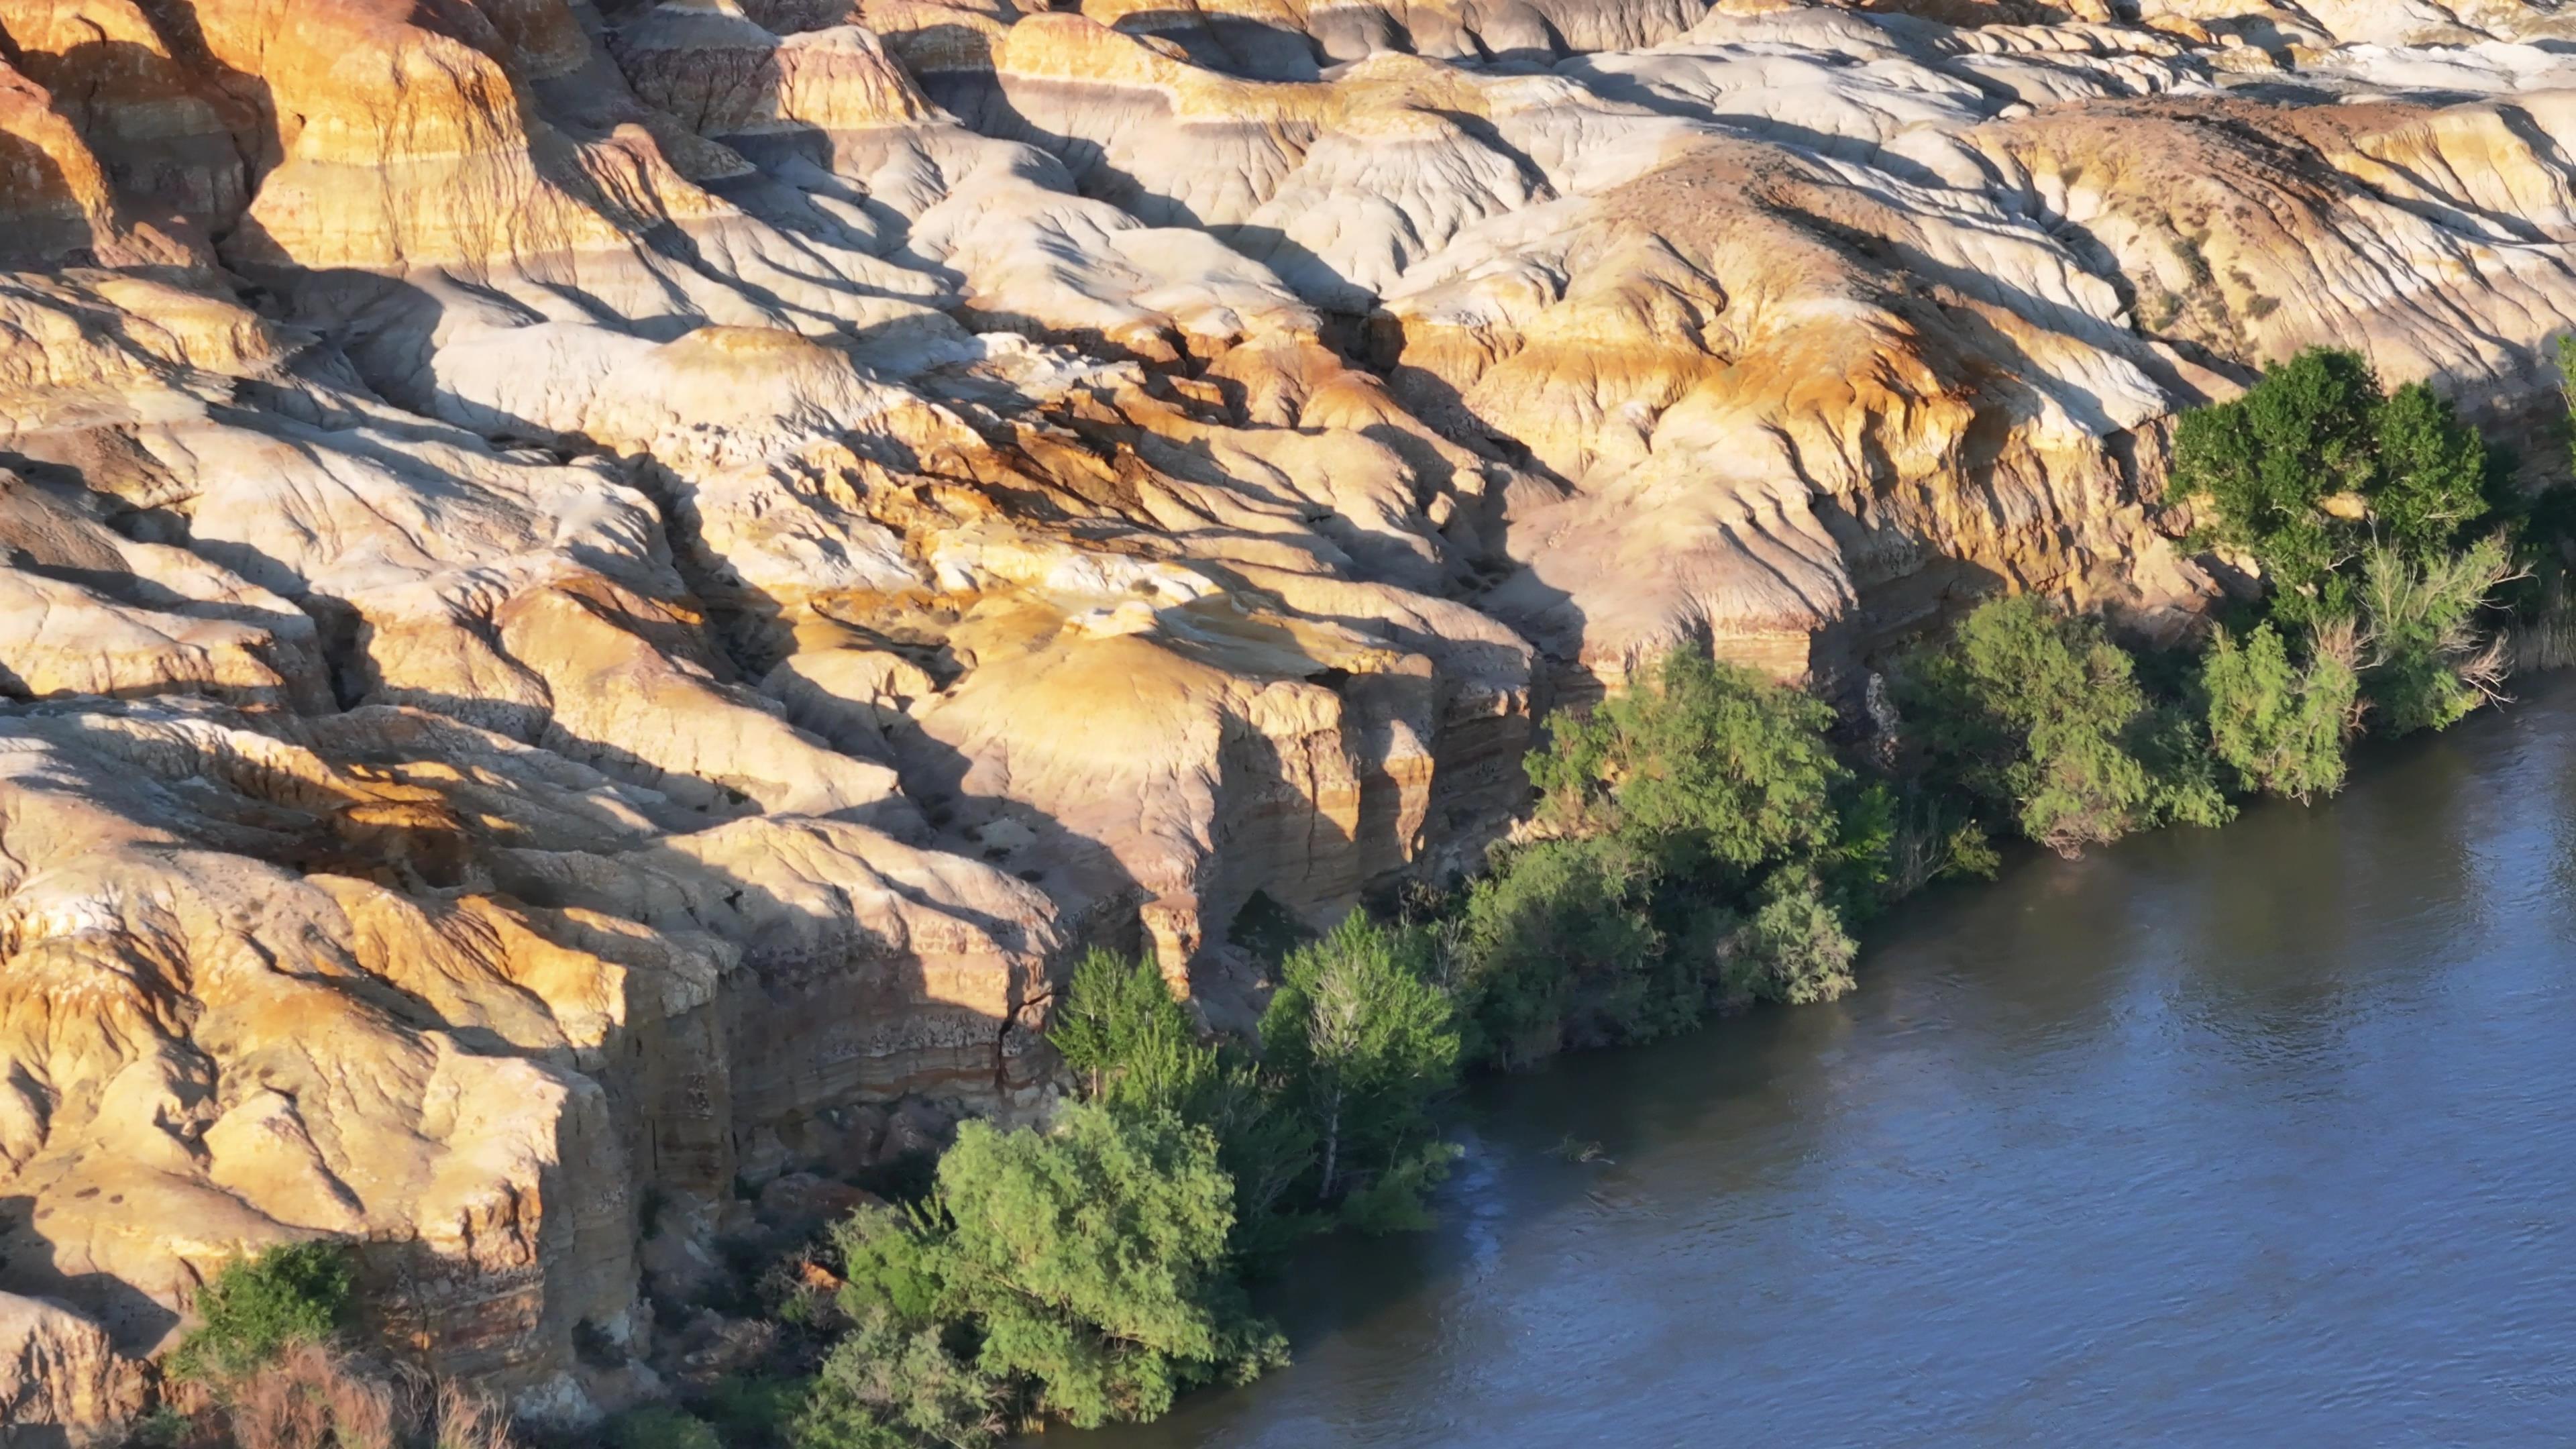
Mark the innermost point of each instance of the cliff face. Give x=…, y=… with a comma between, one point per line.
x=592, y=590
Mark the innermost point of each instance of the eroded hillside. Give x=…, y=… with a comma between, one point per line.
x=598, y=594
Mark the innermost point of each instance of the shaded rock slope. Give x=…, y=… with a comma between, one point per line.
x=600, y=592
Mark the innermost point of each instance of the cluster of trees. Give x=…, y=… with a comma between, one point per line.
x=1699, y=843
x=1703, y=844
x=1329, y=1121
x=2037, y=722
x=2383, y=528
x=1092, y=1270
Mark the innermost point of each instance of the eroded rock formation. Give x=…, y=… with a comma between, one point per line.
x=596, y=594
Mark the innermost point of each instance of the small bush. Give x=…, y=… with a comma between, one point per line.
x=1804, y=954
x=885, y=1387
x=257, y=1308
x=749, y=1410
x=2425, y=663
x=660, y=1428
x=2280, y=727
x=167, y=1427
x=461, y=1418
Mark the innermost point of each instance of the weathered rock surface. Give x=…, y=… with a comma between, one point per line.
x=59, y=1372
x=597, y=595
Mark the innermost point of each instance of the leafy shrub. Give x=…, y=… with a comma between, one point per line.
x=751, y=1410
x=1677, y=806
x=1713, y=757
x=1086, y=1264
x=256, y=1308
x=1799, y=942
x=2279, y=726
x=1556, y=944
x=1361, y=1040
x=886, y=1387
x=2424, y=662
x=2041, y=714
x=2314, y=463
x=166, y=1427
x=660, y=1428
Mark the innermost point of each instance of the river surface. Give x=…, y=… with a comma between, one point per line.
x=2262, y=1135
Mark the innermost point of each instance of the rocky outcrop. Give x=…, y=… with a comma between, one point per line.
x=598, y=596
x=59, y=1375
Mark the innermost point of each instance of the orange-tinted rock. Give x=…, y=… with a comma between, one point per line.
x=603, y=595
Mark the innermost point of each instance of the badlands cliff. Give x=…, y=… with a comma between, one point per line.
x=599, y=591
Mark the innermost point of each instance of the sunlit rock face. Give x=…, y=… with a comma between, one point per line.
x=594, y=589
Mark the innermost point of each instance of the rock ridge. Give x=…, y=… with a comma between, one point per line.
x=602, y=593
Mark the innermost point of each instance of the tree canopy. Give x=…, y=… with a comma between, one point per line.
x=2315, y=464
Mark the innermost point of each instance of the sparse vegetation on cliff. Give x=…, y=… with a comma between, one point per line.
x=272, y=1359
x=257, y=1308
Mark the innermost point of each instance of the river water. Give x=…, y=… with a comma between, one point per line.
x=2263, y=1135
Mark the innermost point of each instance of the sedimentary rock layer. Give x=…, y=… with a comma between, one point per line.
x=598, y=594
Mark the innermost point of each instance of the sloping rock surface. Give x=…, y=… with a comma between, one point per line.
x=593, y=589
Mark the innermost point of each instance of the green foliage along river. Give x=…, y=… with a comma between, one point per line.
x=2255, y=1135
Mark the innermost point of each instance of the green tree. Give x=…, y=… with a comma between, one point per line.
x=2265, y=462
x=2041, y=714
x=1134, y=1048
x=2280, y=726
x=2430, y=482
x=1713, y=757
x=1130, y=1041
x=2314, y=464
x=1086, y=1263
x=1363, y=1040
x=258, y=1307
x=2425, y=663
x=1555, y=943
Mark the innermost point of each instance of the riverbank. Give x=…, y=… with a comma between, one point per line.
x=2237, y=1136
x=1698, y=843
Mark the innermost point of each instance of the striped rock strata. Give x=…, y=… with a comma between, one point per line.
x=597, y=592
